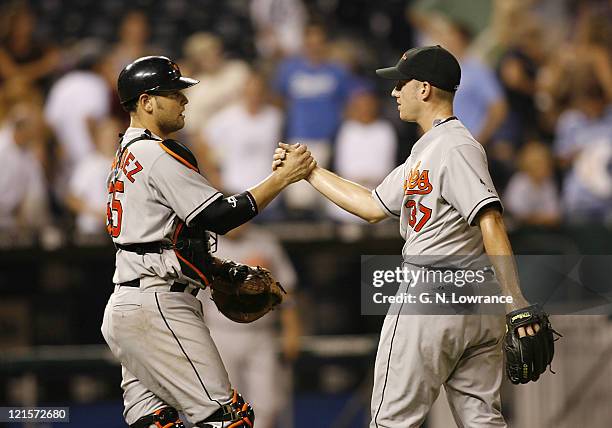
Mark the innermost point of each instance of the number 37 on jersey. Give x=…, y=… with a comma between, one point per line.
x=417, y=184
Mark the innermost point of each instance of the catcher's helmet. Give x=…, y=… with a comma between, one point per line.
x=148, y=74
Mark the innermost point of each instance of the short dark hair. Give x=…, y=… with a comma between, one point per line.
x=443, y=95
x=131, y=106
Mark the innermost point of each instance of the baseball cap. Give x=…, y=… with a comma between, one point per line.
x=432, y=64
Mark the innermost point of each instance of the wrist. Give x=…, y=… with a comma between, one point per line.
x=279, y=179
x=313, y=174
x=517, y=303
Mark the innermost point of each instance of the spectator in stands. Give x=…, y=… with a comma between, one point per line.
x=279, y=26
x=593, y=41
x=79, y=98
x=242, y=137
x=88, y=189
x=24, y=202
x=586, y=54
x=134, y=35
x=314, y=92
x=362, y=135
x=517, y=72
x=252, y=353
x=479, y=101
x=22, y=54
x=583, y=145
x=220, y=79
x=356, y=58
x=531, y=196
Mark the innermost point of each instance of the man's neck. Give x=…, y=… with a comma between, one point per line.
x=426, y=121
x=136, y=122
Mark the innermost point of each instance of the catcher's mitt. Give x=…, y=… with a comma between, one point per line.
x=243, y=293
x=528, y=357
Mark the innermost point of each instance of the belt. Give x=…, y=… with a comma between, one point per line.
x=146, y=247
x=159, y=246
x=177, y=287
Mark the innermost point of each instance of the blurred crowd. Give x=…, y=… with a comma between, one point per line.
x=536, y=91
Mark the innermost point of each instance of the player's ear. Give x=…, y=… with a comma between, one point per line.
x=425, y=91
x=146, y=102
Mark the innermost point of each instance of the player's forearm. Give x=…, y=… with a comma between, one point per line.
x=498, y=248
x=268, y=189
x=349, y=196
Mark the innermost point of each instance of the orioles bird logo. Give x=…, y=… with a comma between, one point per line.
x=417, y=182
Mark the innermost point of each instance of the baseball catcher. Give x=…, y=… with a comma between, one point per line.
x=161, y=213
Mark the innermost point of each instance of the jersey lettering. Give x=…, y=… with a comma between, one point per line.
x=417, y=182
x=114, y=206
x=127, y=160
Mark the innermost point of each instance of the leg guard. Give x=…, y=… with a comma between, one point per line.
x=236, y=414
x=166, y=417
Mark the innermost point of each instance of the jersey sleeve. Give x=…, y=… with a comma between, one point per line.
x=466, y=182
x=180, y=188
x=389, y=194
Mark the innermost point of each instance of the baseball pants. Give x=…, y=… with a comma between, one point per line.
x=418, y=354
x=166, y=352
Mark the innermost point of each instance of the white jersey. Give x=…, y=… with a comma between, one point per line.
x=244, y=143
x=153, y=192
x=436, y=195
x=87, y=184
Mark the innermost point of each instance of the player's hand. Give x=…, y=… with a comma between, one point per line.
x=293, y=162
x=278, y=158
x=280, y=153
x=529, y=330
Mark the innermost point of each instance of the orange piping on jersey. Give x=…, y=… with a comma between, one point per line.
x=200, y=274
x=179, y=158
x=168, y=425
x=196, y=270
x=241, y=423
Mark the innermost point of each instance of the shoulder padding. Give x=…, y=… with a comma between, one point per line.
x=181, y=153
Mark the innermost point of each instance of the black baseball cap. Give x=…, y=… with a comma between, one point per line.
x=432, y=64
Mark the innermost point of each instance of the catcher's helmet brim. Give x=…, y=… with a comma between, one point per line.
x=176, y=85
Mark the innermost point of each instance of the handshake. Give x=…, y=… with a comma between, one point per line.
x=293, y=162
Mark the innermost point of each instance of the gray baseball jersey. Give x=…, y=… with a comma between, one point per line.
x=436, y=195
x=160, y=337
x=152, y=193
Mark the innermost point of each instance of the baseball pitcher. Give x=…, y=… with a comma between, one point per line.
x=447, y=207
